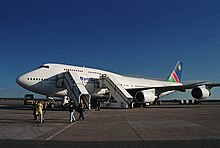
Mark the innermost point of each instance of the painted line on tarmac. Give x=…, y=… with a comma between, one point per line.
x=68, y=126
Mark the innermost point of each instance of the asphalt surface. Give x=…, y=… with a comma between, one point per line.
x=156, y=126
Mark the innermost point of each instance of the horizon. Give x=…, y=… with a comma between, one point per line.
x=144, y=38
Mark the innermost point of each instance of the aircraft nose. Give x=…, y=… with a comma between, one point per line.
x=20, y=80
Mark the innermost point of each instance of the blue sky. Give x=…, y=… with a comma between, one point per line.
x=131, y=37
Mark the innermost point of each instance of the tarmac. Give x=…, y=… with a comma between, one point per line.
x=156, y=126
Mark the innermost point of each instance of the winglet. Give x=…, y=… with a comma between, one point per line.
x=175, y=75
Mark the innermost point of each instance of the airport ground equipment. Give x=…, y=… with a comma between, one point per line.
x=76, y=90
x=28, y=99
x=116, y=90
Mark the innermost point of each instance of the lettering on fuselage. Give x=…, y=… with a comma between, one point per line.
x=88, y=80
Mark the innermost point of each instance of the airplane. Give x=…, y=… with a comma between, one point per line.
x=44, y=80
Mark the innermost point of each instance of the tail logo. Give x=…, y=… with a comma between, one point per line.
x=175, y=75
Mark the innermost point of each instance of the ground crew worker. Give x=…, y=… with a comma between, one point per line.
x=40, y=112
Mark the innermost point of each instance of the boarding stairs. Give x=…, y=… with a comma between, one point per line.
x=116, y=89
x=76, y=90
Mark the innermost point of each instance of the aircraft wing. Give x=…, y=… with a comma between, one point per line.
x=211, y=85
x=182, y=88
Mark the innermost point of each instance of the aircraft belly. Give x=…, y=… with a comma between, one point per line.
x=49, y=89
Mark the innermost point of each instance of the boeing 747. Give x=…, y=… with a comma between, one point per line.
x=81, y=83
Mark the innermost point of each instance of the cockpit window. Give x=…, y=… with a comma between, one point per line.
x=44, y=66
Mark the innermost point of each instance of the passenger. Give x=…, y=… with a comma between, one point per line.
x=35, y=110
x=40, y=112
x=131, y=104
x=96, y=106
x=44, y=107
x=99, y=105
x=72, y=108
x=80, y=109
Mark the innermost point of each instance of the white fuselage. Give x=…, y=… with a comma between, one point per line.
x=43, y=80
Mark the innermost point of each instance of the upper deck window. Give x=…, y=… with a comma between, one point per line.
x=44, y=66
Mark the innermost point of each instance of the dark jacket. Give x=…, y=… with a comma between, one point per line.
x=72, y=107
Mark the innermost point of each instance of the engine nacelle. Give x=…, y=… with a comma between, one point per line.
x=145, y=96
x=200, y=93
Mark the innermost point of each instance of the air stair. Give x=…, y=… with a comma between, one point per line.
x=76, y=90
x=116, y=90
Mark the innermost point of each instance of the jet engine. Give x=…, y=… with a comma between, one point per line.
x=145, y=96
x=200, y=93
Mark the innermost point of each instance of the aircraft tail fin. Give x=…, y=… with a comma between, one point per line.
x=175, y=75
